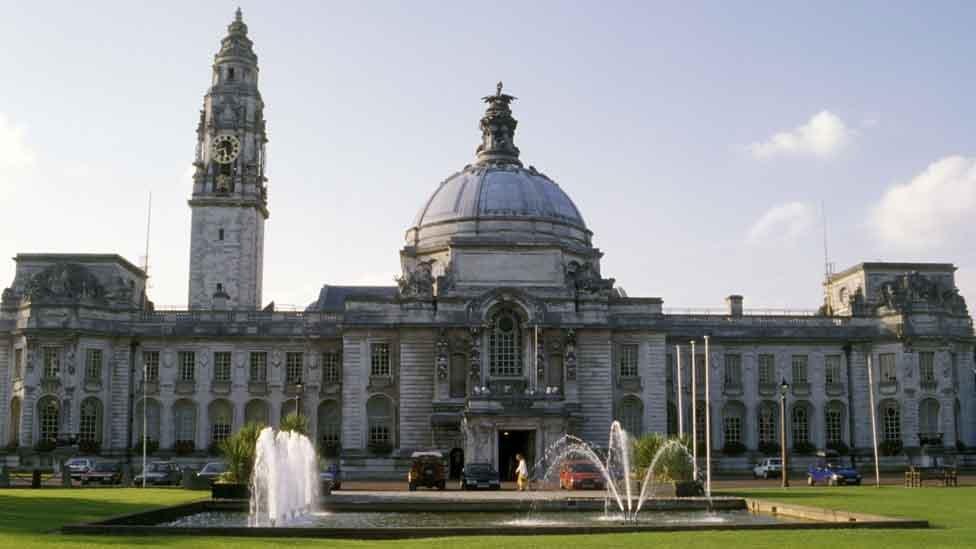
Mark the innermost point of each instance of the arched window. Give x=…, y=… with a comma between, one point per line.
x=50, y=414
x=700, y=422
x=672, y=419
x=801, y=424
x=380, y=418
x=891, y=420
x=90, y=421
x=329, y=424
x=256, y=411
x=14, y=422
x=221, y=416
x=505, y=346
x=767, y=422
x=928, y=418
x=732, y=420
x=185, y=422
x=631, y=416
x=834, y=423
x=152, y=421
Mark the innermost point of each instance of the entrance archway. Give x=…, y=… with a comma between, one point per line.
x=456, y=461
x=511, y=442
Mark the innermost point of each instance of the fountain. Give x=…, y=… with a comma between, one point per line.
x=285, y=482
x=615, y=470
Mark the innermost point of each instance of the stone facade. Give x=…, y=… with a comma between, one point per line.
x=502, y=333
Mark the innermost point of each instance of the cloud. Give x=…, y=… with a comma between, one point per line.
x=934, y=209
x=16, y=156
x=782, y=223
x=823, y=135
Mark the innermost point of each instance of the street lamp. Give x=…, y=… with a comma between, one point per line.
x=145, y=369
x=298, y=398
x=784, y=388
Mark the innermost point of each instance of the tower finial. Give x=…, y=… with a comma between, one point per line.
x=498, y=130
x=238, y=16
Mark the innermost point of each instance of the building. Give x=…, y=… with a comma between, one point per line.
x=501, y=335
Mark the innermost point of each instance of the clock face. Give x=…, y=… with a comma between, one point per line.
x=226, y=148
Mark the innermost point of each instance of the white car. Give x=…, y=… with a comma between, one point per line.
x=768, y=467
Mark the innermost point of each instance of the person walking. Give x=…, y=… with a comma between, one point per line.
x=521, y=473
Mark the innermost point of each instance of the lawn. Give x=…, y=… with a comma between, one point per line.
x=28, y=517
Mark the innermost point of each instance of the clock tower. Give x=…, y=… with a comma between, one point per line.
x=229, y=204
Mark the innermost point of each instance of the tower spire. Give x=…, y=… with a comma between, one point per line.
x=498, y=130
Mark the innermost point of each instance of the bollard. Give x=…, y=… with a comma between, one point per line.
x=4, y=477
x=36, y=478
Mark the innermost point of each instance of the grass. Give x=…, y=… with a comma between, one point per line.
x=28, y=519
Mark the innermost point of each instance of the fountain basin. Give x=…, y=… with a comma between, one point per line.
x=394, y=516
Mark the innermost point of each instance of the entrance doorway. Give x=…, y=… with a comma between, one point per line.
x=456, y=461
x=512, y=442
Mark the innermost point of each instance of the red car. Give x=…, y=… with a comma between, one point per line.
x=581, y=475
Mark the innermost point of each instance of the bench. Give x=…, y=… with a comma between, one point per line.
x=915, y=477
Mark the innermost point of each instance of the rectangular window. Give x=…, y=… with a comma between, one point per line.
x=800, y=369
x=733, y=371
x=767, y=369
x=188, y=363
x=379, y=359
x=733, y=429
x=294, y=367
x=331, y=374
x=767, y=424
x=669, y=373
x=379, y=433
x=18, y=363
x=259, y=367
x=926, y=367
x=93, y=364
x=151, y=360
x=887, y=364
x=832, y=369
x=52, y=362
x=832, y=425
x=628, y=360
x=222, y=366
x=700, y=372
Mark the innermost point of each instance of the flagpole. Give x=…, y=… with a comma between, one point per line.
x=694, y=411
x=681, y=408
x=708, y=426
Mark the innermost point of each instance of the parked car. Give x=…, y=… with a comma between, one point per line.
x=331, y=474
x=831, y=470
x=212, y=470
x=103, y=472
x=78, y=466
x=160, y=473
x=767, y=468
x=479, y=475
x=427, y=469
x=580, y=475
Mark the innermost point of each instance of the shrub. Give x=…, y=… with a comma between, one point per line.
x=151, y=446
x=674, y=463
x=804, y=448
x=89, y=447
x=184, y=447
x=769, y=448
x=734, y=449
x=380, y=448
x=840, y=447
x=890, y=447
x=239, y=451
x=45, y=445
x=330, y=449
x=295, y=422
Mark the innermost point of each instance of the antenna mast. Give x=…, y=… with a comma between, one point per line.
x=828, y=268
x=145, y=264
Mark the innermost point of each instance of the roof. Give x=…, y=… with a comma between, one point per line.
x=81, y=258
x=333, y=298
x=895, y=266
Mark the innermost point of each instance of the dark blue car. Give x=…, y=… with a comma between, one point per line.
x=830, y=469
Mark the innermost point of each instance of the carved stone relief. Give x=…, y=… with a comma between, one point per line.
x=570, y=355
x=443, y=348
x=417, y=282
x=475, y=355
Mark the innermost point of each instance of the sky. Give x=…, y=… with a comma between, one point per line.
x=707, y=144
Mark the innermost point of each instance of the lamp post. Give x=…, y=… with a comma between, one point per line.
x=298, y=398
x=145, y=368
x=784, y=388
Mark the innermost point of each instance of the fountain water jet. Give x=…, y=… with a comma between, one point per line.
x=285, y=482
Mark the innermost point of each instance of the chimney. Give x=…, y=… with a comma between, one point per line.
x=735, y=305
x=220, y=298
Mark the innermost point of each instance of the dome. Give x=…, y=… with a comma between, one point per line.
x=502, y=191
x=497, y=197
